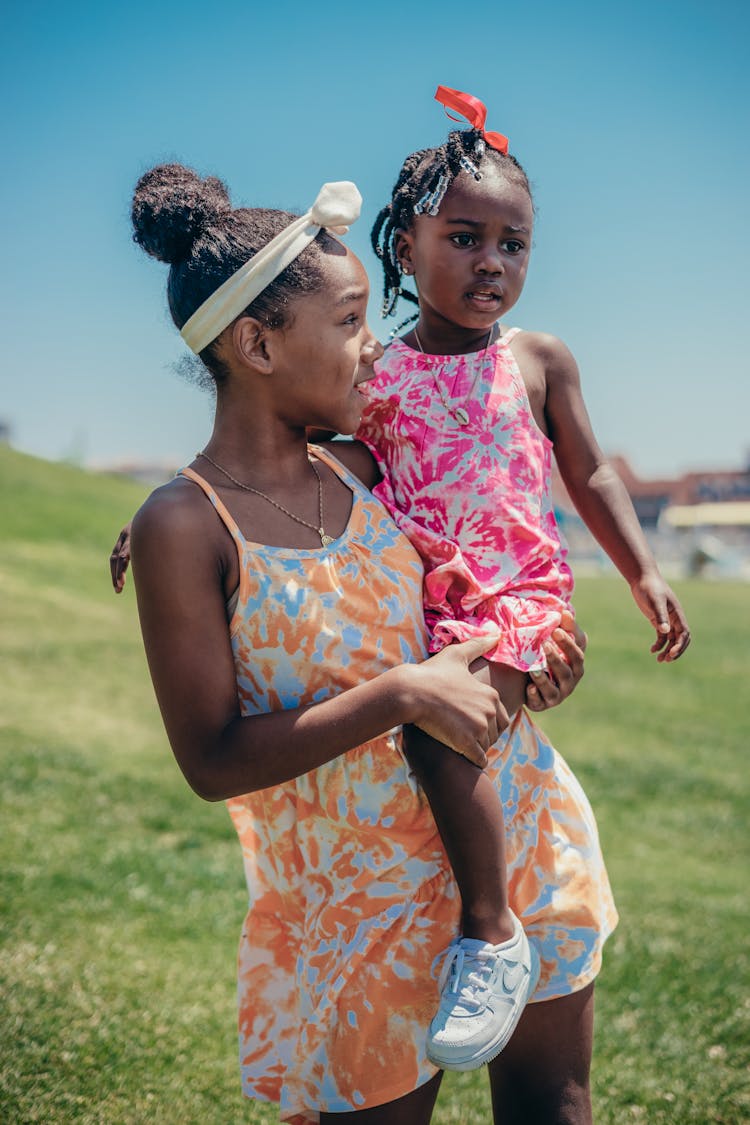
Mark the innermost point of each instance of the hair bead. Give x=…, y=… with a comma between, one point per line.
x=470, y=167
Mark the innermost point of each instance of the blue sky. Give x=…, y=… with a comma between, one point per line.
x=631, y=120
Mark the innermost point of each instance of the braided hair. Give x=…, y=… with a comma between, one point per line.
x=424, y=179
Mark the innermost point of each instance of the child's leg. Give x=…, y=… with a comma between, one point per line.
x=491, y=971
x=469, y=817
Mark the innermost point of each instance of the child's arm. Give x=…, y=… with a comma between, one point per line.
x=603, y=502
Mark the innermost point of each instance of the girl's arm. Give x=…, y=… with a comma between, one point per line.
x=602, y=499
x=222, y=754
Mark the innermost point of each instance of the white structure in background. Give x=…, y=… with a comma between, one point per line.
x=696, y=524
x=714, y=537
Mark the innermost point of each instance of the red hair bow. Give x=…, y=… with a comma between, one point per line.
x=473, y=110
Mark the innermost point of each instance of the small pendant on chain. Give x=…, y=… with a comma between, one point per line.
x=461, y=416
x=325, y=540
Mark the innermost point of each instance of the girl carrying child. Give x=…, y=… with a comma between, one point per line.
x=282, y=618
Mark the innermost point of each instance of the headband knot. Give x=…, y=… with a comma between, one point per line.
x=336, y=207
x=473, y=110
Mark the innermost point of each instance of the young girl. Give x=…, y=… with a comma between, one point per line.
x=282, y=618
x=463, y=418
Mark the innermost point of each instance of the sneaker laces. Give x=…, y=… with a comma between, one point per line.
x=468, y=974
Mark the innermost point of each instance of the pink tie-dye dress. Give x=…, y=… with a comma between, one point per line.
x=473, y=499
x=351, y=897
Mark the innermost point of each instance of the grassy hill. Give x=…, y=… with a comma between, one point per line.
x=122, y=893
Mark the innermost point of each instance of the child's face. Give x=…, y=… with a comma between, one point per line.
x=469, y=261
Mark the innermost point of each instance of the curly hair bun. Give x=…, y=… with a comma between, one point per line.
x=172, y=206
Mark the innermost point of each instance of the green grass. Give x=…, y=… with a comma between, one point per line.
x=122, y=893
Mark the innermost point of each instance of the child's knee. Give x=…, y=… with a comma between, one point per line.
x=432, y=760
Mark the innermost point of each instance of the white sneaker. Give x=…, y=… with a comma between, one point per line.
x=484, y=989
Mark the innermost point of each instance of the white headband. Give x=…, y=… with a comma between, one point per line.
x=337, y=206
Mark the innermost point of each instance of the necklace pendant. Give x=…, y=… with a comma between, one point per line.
x=325, y=540
x=461, y=416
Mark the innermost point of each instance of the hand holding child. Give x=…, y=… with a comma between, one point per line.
x=456, y=708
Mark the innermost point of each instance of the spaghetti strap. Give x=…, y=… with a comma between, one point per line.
x=509, y=335
x=355, y=486
x=344, y=474
x=221, y=509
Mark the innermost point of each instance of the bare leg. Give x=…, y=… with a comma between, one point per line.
x=469, y=817
x=413, y=1109
x=542, y=1076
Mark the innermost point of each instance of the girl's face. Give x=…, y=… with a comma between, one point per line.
x=469, y=261
x=327, y=350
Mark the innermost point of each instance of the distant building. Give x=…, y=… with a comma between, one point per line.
x=652, y=497
x=697, y=523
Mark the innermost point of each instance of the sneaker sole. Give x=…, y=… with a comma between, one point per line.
x=498, y=1045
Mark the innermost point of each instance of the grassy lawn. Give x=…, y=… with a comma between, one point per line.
x=122, y=893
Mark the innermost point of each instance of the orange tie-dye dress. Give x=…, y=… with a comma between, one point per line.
x=351, y=898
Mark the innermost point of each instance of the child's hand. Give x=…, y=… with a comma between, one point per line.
x=658, y=603
x=564, y=652
x=120, y=559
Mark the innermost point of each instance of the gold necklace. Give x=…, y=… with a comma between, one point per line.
x=459, y=413
x=325, y=540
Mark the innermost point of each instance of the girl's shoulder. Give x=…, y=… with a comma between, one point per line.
x=542, y=345
x=542, y=356
x=177, y=539
x=174, y=510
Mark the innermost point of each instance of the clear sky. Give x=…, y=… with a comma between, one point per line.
x=630, y=118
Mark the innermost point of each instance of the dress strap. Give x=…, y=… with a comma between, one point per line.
x=349, y=479
x=221, y=510
x=509, y=335
x=353, y=483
